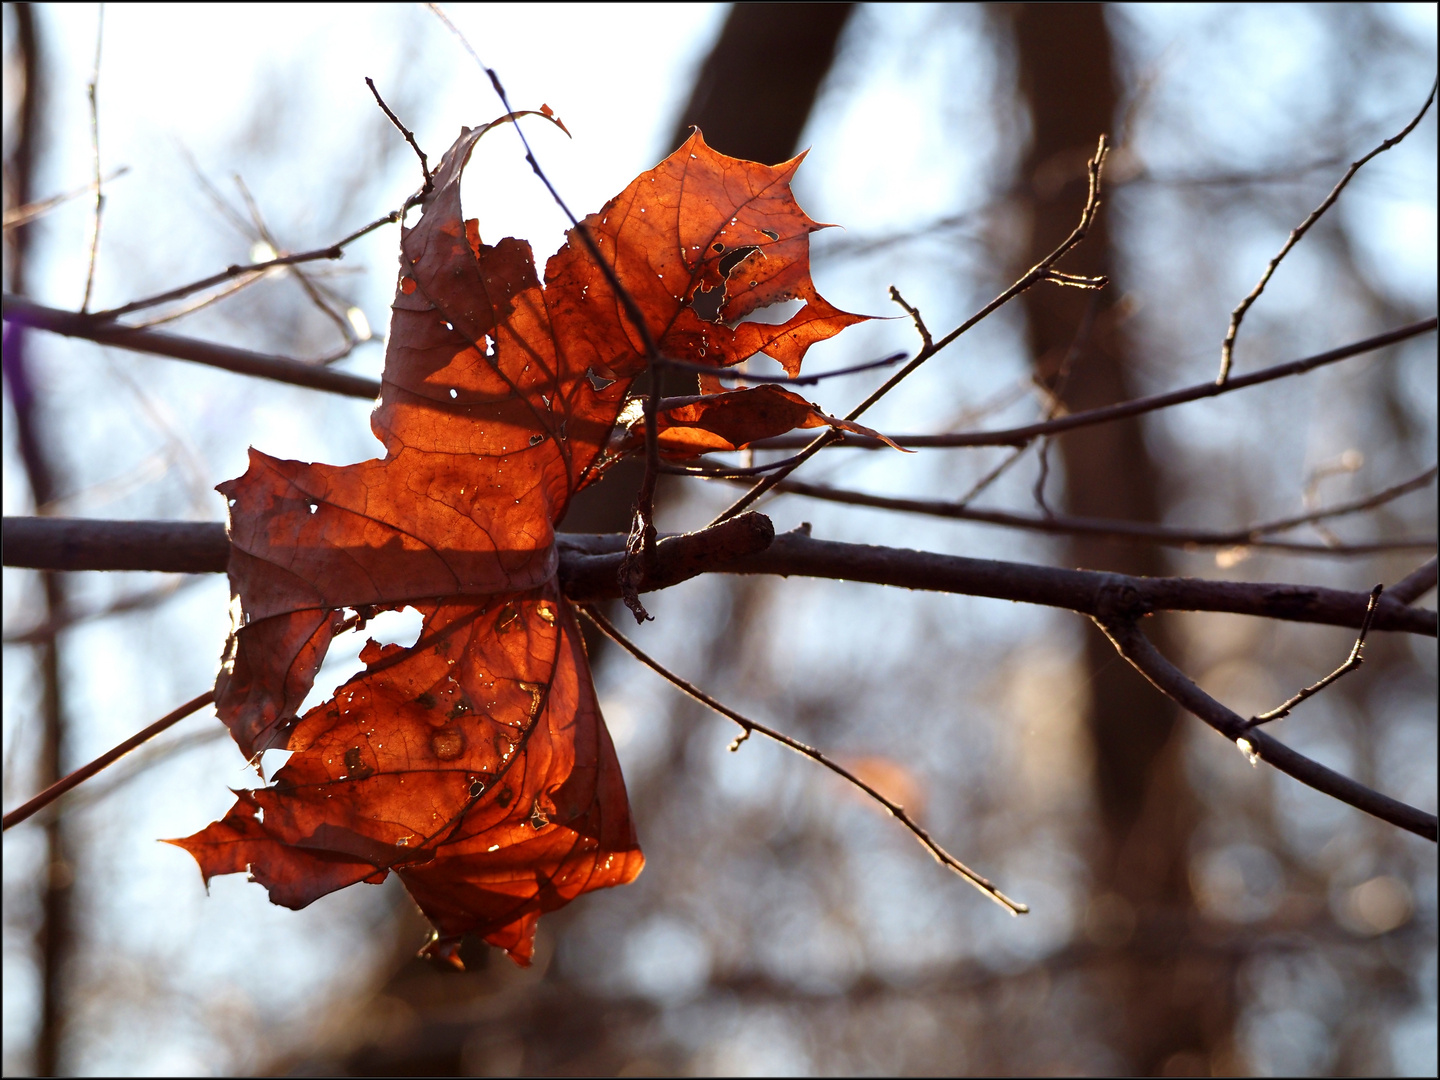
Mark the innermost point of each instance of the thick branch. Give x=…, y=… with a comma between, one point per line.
x=589, y=565
x=1175, y=684
x=242, y=361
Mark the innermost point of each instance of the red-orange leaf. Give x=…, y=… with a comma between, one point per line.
x=475, y=764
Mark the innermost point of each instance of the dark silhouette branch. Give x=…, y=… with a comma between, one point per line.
x=1140, y=532
x=241, y=361
x=590, y=564
x=1019, y=436
x=1415, y=584
x=429, y=185
x=1044, y=270
x=1257, y=745
x=80, y=775
x=1353, y=661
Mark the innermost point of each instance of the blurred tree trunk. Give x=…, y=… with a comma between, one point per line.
x=752, y=98
x=1166, y=1010
x=54, y=934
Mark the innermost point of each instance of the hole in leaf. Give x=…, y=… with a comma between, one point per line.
x=342, y=662
x=771, y=235
x=735, y=258
x=707, y=303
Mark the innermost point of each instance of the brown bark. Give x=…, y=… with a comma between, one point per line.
x=1147, y=810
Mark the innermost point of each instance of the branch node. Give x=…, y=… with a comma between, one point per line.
x=914, y=314
x=1353, y=661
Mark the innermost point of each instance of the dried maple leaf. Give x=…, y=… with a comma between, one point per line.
x=475, y=764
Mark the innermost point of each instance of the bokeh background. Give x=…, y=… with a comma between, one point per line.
x=1192, y=915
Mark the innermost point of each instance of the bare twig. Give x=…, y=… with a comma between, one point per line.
x=1019, y=436
x=1257, y=745
x=721, y=472
x=748, y=726
x=926, y=341
x=1416, y=583
x=1041, y=271
x=242, y=361
x=1355, y=659
x=334, y=251
x=1227, y=348
x=262, y=230
x=55, y=790
x=409, y=135
x=785, y=380
x=93, y=93
x=23, y=215
x=1249, y=536
x=589, y=563
x=137, y=766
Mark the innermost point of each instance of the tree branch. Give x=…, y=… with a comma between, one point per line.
x=80, y=775
x=590, y=564
x=943, y=857
x=1044, y=270
x=1019, y=436
x=106, y=331
x=1415, y=584
x=1227, y=348
x=1176, y=685
x=1249, y=536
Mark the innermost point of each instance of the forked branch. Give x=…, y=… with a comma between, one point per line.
x=1044, y=270
x=1356, y=658
x=1125, y=635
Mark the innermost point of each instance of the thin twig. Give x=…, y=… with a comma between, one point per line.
x=926, y=341
x=1256, y=745
x=1355, y=659
x=93, y=93
x=334, y=251
x=1227, y=348
x=23, y=215
x=257, y=220
x=720, y=472
x=784, y=380
x=241, y=361
x=748, y=726
x=80, y=775
x=1248, y=536
x=409, y=135
x=1041, y=271
x=1019, y=436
